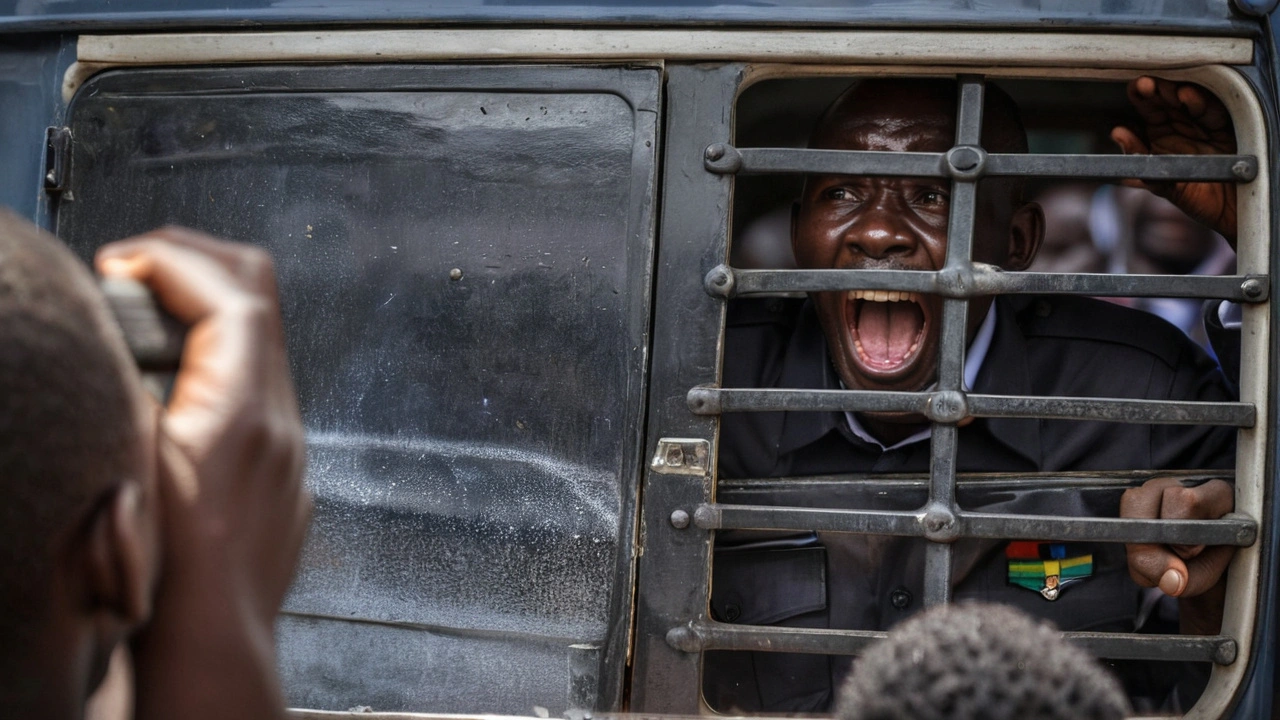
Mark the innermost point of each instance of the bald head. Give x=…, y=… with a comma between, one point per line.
x=896, y=104
x=902, y=223
x=68, y=429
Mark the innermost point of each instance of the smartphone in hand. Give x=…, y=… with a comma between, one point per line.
x=154, y=337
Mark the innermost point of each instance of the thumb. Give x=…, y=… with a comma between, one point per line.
x=1156, y=566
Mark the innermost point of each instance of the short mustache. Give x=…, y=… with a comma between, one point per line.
x=884, y=264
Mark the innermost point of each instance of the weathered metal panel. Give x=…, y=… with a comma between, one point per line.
x=674, y=572
x=31, y=71
x=464, y=257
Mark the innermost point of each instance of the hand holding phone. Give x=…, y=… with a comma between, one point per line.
x=154, y=337
x=230, y=456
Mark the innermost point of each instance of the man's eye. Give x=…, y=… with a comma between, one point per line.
x=932, y=197
x=837, y=193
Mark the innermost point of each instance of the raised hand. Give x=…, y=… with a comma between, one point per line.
x=231, y=456
x=1183, y=119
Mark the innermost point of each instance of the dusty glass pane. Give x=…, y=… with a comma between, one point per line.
x=464, y=275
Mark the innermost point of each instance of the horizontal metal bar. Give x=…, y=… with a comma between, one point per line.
x=1237, y=288
x=1222, y=168
x=1218, y=649
x=727, y=160
x=700, y=636
x=872, y=484
x=951, y=407
x=714, y=401
x=1161, y=412
x=722, y=158
x=981, y=280
x=1231, y=529
x=721, y=516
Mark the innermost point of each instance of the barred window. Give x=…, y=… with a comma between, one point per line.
x=817, y=555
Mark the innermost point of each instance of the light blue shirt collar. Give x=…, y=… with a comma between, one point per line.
x=972, y=364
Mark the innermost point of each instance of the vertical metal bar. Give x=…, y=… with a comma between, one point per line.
x=937, y=574
x=951, y=349
x=942, y=473
x=964, y=196
x=969, y=113
x=942, y=470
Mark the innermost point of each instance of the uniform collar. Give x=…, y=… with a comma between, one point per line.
x=807, y=364
x=972, y=366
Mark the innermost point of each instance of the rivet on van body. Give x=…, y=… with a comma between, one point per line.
x=680, y=519
x=1253, y=288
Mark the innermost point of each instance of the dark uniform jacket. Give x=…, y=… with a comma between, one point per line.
x=1058, y=346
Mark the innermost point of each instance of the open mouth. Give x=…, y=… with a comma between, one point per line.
x=887, y=327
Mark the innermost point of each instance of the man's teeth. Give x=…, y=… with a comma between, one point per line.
x=862, y=353
x=884, y=295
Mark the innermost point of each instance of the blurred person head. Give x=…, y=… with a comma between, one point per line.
x=1068, y=245
x=80, y=556
x=765, y=243
x=1164, y=239
x=978, y=661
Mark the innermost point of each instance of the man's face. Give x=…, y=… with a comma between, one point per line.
x=1165, y=236
x=889, y=340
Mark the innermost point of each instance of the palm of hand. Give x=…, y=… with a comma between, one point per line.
x=1184, y=120
x=1213, y=204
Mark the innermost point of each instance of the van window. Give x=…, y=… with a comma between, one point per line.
x=953, y=517
x=464, y=257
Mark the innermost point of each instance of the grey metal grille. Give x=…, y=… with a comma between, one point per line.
x=941, y=520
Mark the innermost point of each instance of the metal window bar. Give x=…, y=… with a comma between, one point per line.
x=940, y=520
x=702, y=635
x=939, y=527
x=952, y=406
x=983, y=279
x=940, y=511
x=698, y=636
x=967, y=159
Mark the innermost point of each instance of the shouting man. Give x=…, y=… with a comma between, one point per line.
x=1018, y=345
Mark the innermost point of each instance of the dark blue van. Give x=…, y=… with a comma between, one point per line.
x=509, y=233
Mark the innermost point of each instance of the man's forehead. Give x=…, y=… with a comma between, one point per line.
x=875, y=125
x=885, y=107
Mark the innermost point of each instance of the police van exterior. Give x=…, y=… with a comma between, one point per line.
x=503, y=232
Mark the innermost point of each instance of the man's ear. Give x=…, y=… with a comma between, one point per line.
x=121, y=557
x=1026, y=232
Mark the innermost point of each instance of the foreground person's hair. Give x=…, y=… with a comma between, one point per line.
x=978, y=661
x=67, y=433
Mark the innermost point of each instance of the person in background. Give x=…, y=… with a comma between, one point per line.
x=1068, y=245
x=1117, y=229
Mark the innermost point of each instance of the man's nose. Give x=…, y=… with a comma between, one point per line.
x=882, y=232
